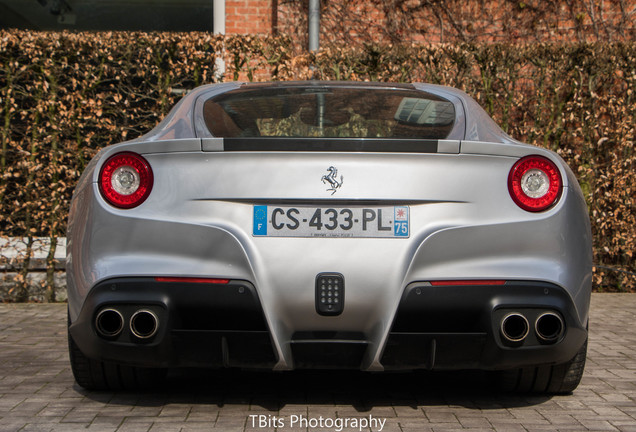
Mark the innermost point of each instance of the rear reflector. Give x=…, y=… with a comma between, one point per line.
x=193, y=280
x=467, y=282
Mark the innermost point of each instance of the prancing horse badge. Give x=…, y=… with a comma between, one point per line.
x=332, y=179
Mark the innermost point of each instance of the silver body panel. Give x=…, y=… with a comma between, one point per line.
x=198, y=222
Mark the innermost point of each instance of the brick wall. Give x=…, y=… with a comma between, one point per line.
x=250, y=16
x=415, y=21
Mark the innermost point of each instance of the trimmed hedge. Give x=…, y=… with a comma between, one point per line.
x=65, y=95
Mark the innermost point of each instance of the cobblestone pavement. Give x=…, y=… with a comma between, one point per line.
x=37, y=391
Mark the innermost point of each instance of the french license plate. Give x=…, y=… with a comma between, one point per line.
x=301, y=221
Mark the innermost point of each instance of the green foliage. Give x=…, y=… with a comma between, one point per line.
x=63, y=96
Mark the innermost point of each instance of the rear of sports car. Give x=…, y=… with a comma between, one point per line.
x=328, y=225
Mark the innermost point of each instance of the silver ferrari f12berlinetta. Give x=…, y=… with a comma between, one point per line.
x=320, y=224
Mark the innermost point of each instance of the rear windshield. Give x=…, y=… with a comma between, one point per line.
x=329, y=112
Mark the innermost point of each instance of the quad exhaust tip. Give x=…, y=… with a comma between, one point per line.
x=549, y=327
x=109, y=323
x=514, y=327
x=144, y=324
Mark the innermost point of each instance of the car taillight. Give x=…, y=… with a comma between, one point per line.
x=125, y=180
x=535, y=183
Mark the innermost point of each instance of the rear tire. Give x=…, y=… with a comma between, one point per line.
x=98, y=375
x=557, y=379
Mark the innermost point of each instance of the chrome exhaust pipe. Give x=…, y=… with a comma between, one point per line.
x=109, y=323
x=144, y=324
x=549, y=327
x=514, y=327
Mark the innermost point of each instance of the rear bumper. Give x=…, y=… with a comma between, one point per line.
x=459, y=327
x=199, y=324
x=223, y=325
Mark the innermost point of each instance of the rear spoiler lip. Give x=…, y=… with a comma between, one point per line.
x=351, y=145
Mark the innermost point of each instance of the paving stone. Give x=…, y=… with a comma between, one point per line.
x=38, y=394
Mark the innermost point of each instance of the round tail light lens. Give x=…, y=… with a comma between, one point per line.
x=125, y=180
x=535, y=183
